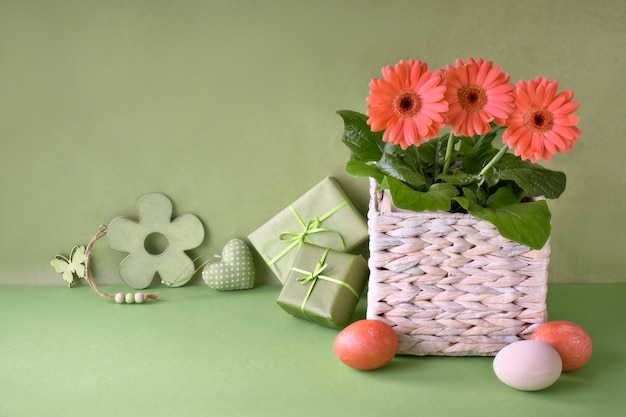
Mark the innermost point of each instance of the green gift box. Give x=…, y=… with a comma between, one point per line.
x=323, y=216
x=324, y=286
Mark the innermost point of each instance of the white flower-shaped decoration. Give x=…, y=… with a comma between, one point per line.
x=156, y=243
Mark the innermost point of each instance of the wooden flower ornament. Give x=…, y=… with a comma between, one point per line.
x=156, y=243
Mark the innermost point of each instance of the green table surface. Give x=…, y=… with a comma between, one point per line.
x=199, y=352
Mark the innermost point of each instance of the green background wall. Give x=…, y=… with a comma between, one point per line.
x=228, y=107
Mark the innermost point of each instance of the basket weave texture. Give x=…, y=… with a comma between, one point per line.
x=449, y=284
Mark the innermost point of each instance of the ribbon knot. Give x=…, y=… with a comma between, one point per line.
x=298, y=238
x=315, y=274
x=312, y=226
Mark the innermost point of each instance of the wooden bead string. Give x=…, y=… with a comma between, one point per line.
x=119, y=298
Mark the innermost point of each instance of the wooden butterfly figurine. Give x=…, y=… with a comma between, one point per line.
x=72, y=266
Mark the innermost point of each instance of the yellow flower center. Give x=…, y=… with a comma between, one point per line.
x=406, y=103
x=538, y=120
x=472, y=98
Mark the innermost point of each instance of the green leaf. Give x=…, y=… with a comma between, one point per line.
x=477, y=151
x=526, y=223
x=438, y=197
x=359, y=168
x=533, y=179
x=460, y=178
x=433, y=152
x=392, y=166
x=501, y=198
x=364, y=144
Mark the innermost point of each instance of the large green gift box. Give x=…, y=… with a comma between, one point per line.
x=324, y=286
x=323, y=216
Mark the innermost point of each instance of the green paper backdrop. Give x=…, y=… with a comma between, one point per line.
x=228, y=107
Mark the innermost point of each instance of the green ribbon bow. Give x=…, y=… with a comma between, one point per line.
x=312, y=226
x=313, y=276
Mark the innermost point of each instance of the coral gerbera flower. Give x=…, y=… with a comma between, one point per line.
x=542, y=123
x=408, y=103
x=478, y=93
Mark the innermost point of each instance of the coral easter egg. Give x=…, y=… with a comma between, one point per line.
x=570, y=340
x=527, y=365
x=366, y=345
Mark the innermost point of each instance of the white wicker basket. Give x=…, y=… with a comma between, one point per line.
x=449, y=284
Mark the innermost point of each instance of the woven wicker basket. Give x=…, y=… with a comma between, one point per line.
x=449, y=284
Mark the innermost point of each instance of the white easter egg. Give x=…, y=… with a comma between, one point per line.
x=528, y=365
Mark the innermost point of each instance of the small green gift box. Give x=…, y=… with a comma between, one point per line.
x=324, y=286
x=323, y=216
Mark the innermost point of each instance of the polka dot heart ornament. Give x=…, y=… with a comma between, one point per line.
x=233, y=270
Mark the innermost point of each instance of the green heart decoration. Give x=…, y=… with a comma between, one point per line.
x=234, y=270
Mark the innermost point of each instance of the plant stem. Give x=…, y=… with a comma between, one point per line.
x=494, y=160
x=446, y=162
x=418, y=160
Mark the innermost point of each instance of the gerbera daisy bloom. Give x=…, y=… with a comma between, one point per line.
x=408, y=103
x=542, y=123
x=478, y=93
